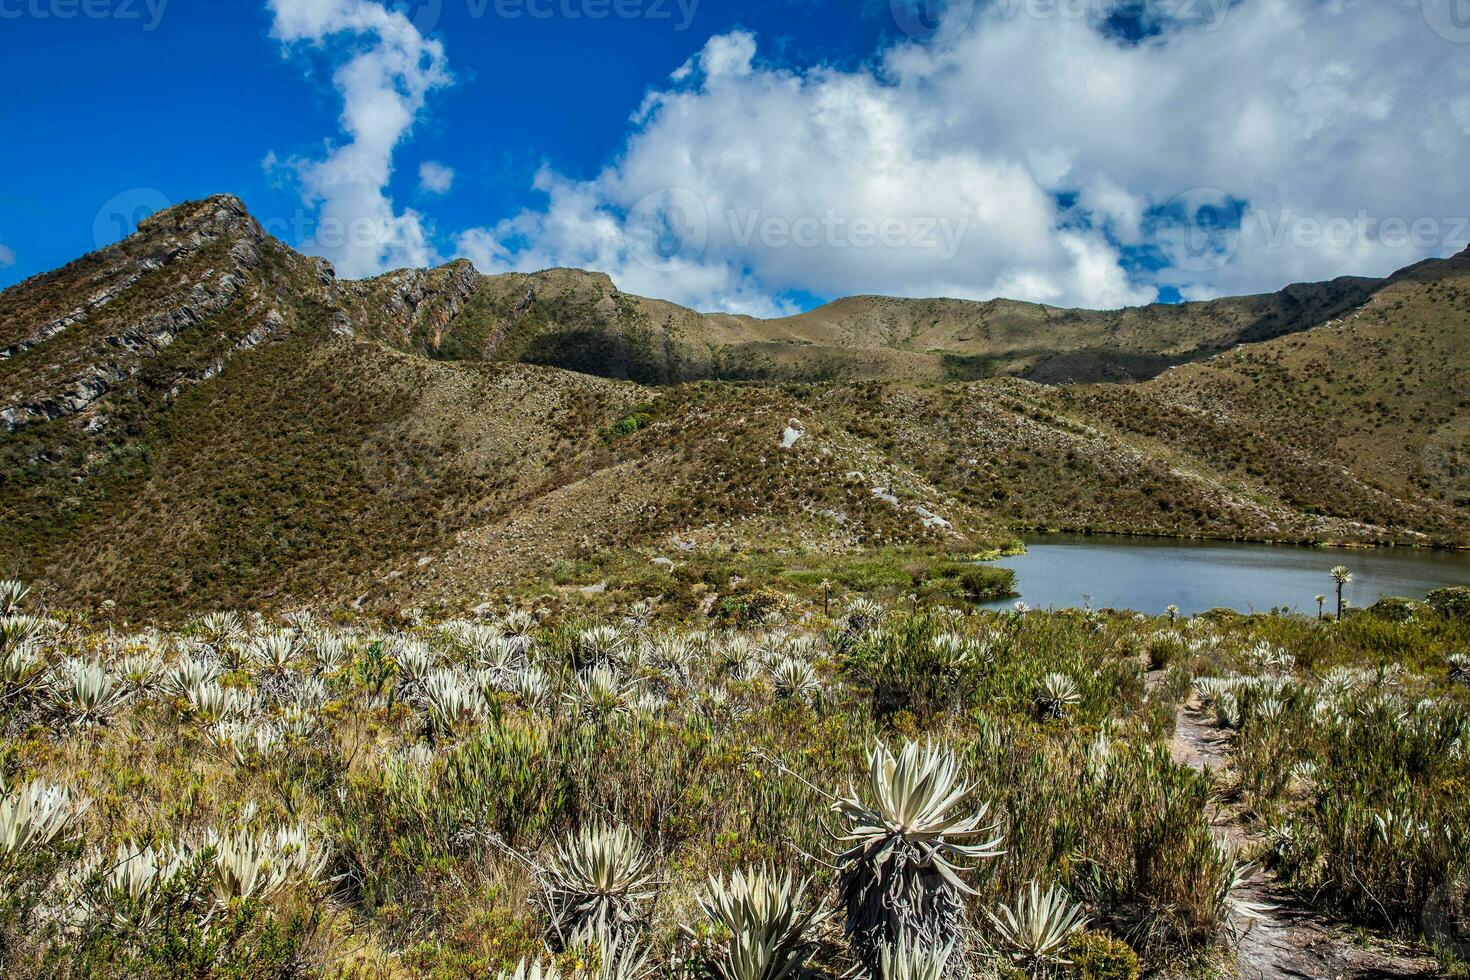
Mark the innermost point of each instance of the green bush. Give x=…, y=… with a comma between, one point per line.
x=1453, y=602
x=1381, y=833
x=1098, y=956
x=988, y=582
x=1164, y=649
x=1395, y=608
x=626, y=426
x=907, y=671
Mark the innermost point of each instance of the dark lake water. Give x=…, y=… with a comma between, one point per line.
x=1148, y=575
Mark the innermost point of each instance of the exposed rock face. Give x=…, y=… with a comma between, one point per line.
x=202, y=407
x=420, y=303
x=187, y=267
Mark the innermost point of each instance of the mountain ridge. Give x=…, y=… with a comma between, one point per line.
x=201, y=416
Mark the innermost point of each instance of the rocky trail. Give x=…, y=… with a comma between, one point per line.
x=1283, y=939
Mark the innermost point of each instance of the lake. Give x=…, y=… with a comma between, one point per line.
x=1150, y=574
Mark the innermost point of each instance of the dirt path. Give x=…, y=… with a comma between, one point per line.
x=1286, y=939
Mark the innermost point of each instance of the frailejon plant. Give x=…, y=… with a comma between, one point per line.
x=1459, y=669
x=905, y=959
x=1340, y=577
x=862, y=615
x=795, y=678
x=455, y=703
x=247, y=865
x=597, y=883
x=18, y=629
x=1056, y=695
x=128, y=882
x=600, y=691
x=139, y=672
x=1035, y=929
x=20, y=674
x=902, y=866
x=768, y=923
x=12, y=594
x=189, y=674
x=219, y=629
x=530, y=685
x=212, y=702
x=84, y=693
x=596, y=645
x=246, y=742
x=623, y=958
x=35, y=815
x=532, y=971
x=273, y=653
x=414, y=659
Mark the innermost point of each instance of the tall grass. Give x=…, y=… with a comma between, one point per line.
x=245, y=797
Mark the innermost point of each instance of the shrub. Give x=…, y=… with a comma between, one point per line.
x=1453, y=602
x=598, y=882
x=1098, y=956
x=626, y=426
x=1164, y=649
x=915, y=667
x=1395, y=608
x=988, y=582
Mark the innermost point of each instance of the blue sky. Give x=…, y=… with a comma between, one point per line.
x=189, y=103
x=1121, y=153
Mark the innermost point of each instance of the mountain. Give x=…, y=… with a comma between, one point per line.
x=580, y=321
x=199, y=416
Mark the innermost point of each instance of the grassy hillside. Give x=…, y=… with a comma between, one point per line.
x=200, y=416
x=580, y=321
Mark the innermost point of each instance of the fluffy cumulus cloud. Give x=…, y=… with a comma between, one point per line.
x=1024, y=150
x=745, y=183
x=384, y=71
x=435, y=178
x=1029, y=152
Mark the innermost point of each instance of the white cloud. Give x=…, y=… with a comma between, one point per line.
x=1304, y=113
x=384, y=71
x=785, y=176
x=435, y=178
x=1022, y=155
x=1055, y=146
x=7, y=257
